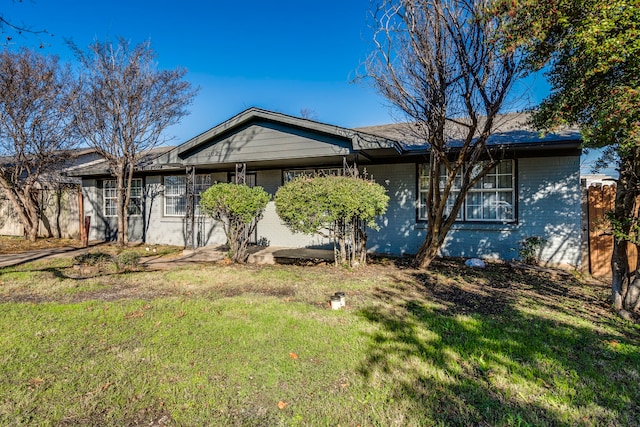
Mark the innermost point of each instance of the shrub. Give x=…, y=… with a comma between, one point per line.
x=93, y=259
x=337, y=207
x=127, y=259
x=529, y=249
x=239, y=208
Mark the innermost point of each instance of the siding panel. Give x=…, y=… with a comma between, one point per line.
x=267, y=142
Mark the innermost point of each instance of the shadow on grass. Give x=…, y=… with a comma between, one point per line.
x=481, y=350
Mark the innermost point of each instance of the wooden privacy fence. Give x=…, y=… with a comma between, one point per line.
x=60, y=216
x=600, y=199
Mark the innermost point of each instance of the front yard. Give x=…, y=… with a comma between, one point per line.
x=259, y=346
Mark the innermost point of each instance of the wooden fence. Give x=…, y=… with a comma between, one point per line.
x=600, y=199
x=60, y=217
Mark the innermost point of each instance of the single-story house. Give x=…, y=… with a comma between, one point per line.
x=534, y=191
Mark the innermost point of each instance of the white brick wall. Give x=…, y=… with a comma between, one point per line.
x=548, y=191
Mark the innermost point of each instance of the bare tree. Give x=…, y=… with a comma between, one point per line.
x=125, y=105
x=442, y=63
x=308, y=113
x=8, y=29
x=35, y=129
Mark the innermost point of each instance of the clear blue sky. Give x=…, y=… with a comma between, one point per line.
x=280, y=55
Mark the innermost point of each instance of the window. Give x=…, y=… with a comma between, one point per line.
x=491, y=199
x=110, y=198
x=291, y=174
x=175, y=193
x=110, y=195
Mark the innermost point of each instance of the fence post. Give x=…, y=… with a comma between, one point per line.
x=85, y=231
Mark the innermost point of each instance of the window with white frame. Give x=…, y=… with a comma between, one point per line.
x=423, y=190
x=175, y=193
x=491, y=199
x=110, y=197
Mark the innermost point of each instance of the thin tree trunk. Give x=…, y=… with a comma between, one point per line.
x=122, y=212
x=127, y=199
x=30, y=204
x=428, y=251
x=632, y=296
x=363, y=242
x=623, y=212
x=20, y=205
x=620, y=273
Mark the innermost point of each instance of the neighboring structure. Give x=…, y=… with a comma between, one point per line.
x=534, y=191
x=59, y=198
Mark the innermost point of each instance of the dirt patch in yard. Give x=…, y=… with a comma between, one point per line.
x=14, y=245
x=457, y=288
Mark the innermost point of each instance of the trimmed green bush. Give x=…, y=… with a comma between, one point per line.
x=337, y=207
x=127, y=259
x=92, y=259
x=239, y=208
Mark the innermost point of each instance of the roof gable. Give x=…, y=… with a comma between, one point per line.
x=257, y=135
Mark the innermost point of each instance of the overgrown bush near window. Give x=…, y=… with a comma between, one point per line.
x=529, y=249
x=239, y=208
x=336, y=207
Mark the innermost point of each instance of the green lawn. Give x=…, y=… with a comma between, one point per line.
x=259, y=346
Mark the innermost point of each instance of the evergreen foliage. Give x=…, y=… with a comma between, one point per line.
x=337, y=207
x=239, y=208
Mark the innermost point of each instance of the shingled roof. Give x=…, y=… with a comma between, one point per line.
x=512, y=129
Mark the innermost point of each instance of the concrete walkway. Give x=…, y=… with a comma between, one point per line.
x=8, y=260
x=206, y=254
x=258, y=255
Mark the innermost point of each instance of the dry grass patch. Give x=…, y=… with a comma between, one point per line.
x=12, y=245
x=238, y=345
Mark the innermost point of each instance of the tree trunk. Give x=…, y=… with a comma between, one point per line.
x=21, y=205
x=625, y=292
x=632, y=297
x=437, y=230
x=122, y=211
x=427, y=253
x=30, y=203
x=343, y=249
x=363, y=242
x=620, y=273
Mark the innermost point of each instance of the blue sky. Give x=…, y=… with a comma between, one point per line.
x=280, y=55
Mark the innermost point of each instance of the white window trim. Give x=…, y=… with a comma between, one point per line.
x=200, y=187
x=462, y=214
x=113, y=187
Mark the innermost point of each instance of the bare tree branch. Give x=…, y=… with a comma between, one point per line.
x=35, y=128
x=125, y=104
x=442, y=64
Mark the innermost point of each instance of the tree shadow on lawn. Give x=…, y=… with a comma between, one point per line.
x=502, y=348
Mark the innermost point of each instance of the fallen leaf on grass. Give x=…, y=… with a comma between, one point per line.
x=282, y=405
x=293, y=356
x=134, y=314
x=37, y=381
